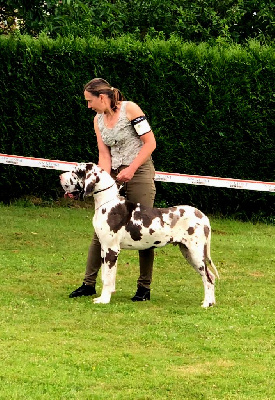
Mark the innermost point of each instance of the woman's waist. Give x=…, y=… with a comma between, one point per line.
x=147, y=168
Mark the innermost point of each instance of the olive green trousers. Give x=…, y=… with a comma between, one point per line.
x=140, y=189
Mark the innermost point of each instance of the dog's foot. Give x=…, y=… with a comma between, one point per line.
x=102, y=300
x=207, y=304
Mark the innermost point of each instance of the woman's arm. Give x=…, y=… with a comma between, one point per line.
x=149, y=144
x=104, y=159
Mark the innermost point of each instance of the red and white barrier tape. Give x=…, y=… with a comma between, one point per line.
x=37, y=162
x=159, y=176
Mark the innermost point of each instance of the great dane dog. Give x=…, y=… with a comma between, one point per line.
x=121, y=224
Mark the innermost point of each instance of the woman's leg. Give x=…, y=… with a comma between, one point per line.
x=141, y=189
x=93, y=262
x=92, y=268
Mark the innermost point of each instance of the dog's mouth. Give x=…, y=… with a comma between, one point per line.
x=74, y=195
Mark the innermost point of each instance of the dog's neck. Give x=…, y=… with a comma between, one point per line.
x=105, y=190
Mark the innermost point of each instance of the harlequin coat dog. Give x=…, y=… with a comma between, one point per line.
x=120, y=224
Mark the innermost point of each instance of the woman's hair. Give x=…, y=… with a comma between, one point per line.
x=99, y=86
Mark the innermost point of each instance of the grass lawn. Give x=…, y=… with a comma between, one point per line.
x=53, y=347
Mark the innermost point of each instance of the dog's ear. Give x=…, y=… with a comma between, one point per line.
x=89, y=189
x=89, y=166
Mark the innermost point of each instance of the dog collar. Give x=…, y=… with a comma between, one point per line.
x=102, y=190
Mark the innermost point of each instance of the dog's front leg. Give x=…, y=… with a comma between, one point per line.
x=108, y=273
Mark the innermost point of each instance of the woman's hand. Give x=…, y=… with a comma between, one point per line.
x=126, y=174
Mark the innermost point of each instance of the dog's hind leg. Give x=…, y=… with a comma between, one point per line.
x=196, y=256
x=108, y=274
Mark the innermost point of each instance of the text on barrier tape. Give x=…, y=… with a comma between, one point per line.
x=159, y=176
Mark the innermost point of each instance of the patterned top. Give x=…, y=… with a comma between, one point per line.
x=122, y=139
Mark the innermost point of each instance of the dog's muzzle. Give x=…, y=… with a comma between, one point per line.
x=75, y=195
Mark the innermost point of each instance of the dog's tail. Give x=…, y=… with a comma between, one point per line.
x=213, y=266
x=208, y=255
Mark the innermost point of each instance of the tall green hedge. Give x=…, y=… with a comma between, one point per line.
x=211, y=109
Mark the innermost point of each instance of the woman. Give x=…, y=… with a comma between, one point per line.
x=125, y=144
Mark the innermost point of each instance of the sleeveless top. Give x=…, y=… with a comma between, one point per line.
x=122, y=139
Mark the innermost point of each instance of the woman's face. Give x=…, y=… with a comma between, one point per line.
x=98, y=104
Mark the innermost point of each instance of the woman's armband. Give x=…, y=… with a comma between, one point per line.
x=141, y=125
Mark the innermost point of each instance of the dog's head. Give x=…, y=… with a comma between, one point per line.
x=80, y=181
x=73, y=182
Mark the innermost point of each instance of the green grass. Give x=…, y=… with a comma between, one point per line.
x=53, y=347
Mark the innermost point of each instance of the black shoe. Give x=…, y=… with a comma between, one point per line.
x=84, y=290
x=142, y=294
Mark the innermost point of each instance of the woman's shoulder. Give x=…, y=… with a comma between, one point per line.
x=98, y=119
x=133, y=110
x=130, y=105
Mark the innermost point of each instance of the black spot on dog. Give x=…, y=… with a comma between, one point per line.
x=151, y=231
x=205, y=253
x=89, y=166
x=147, y=214
x=81, y=173
x=190, y=230
x=134, y=231
x=103, y=210
x=174, y=219
x=120, y=215
x=77, y=187
x=157, y=242
x=111, y=258
x=198, y=213
x=90, y=188
x=208, y=276
x=145, y=218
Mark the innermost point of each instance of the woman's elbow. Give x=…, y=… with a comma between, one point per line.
x=154, y=145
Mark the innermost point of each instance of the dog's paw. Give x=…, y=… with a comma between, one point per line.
x=101, y=300
x=207, y=304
